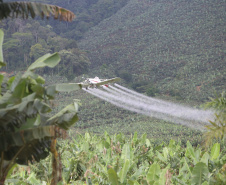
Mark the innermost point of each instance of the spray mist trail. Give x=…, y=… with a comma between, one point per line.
x=158, y=111
x=175, y=109
x=121, y=101
x=141, y=95
x=109, y=98
x=126, y=101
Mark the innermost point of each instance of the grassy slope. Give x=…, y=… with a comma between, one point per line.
x=176, y=45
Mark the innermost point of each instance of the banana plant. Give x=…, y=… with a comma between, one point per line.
x=217, y=128
x=26, y=9
x=116, y=160
x=27, y=132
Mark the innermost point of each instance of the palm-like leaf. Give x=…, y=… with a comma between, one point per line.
x=217, y=129
x=26, y=9
x=26, y=130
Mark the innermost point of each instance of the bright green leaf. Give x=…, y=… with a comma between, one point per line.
x=215, y=151
x=65, y=118
x=112, y=176
x=199, y=173
x=48, y=60
x=153, y=172
x=125, y=151
x=148, y=143
x=205, y=158
x=124, y=170
x=162, y=177
x=205, y=183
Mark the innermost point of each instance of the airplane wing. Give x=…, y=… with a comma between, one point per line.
x=112, y=80
x=84, y=85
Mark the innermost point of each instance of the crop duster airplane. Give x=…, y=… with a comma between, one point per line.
x=97, y=82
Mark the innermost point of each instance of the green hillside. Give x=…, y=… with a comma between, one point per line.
x=177, y=47
x=88, y=14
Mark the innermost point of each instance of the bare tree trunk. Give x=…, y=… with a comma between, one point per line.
x=25, y=59
x=56, y=164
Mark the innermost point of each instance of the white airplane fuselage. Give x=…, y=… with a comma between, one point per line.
x=94, y=81
x=97, y=82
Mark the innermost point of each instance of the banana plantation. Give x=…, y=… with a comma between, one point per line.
x=117, y=159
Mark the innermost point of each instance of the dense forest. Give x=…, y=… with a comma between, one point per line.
x=31, y=39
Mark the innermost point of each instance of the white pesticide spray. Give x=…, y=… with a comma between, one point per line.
x=136, y=102
x=146, y=98
x=173, y=108
x=110, y=98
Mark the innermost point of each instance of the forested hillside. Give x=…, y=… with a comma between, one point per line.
x=27, y=40
x=88, y=14
x=30, y=39
x=167, y=47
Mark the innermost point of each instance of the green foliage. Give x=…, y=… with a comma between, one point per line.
x=199, y=174
x=27, y=132
x=113, y=178
x=115, y=160
x=140, y=86
x=127, y=76
x=75, y=63
x=152, y=91
x=89, y=14
x=37, y=51
x=30, y=40
x=217, y=127
x=215, y=151
x=218, y=103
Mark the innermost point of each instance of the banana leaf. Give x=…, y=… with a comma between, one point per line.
x=25, y=9
x=48, y=60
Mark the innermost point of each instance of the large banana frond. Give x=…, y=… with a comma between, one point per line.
x=26, y=9
x=65, y=118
